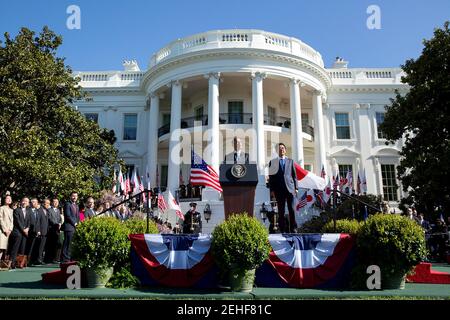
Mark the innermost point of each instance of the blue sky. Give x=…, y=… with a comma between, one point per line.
x=111, y=32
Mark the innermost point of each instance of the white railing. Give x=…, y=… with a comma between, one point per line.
x=110, y=78
x=250, y=39
x=352, y=75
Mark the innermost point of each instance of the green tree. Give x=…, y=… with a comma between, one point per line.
x=423, y=117
x=46, y=146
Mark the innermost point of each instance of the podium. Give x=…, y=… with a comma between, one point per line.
x=238, y=183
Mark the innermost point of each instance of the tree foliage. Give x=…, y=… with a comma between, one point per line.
x=422, y=117
x=47, y=147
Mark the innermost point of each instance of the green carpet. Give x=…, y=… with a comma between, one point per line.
x=26, y=283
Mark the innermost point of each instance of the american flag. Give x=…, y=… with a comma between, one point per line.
x=302, y=202
x=162, y=205
x=202, y=174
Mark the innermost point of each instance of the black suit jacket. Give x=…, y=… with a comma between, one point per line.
x=34, y=221
x=71, y=216
x=43, y=221
x=20, y=222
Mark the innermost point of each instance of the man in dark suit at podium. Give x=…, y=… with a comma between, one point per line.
x=283, y=186
x=237, y=156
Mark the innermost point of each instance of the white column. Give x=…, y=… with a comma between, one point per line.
x=296, y=122
x=258, y=123
x=152, y=152
x=319, y=132
x=173, y=179
x=213, y=156
x=213, y=119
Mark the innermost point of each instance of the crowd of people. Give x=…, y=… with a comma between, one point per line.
x=436, y=234
x=34, y=232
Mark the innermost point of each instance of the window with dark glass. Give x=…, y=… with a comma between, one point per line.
x=164, y=175
x=130, y=126
x=235, y=111
x=390, y=188
x=199, y=113
x=91, y=117
x=342, y=126
x=380, y=120
x=272, y=114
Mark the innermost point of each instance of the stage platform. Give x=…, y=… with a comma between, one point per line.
x=27, y=284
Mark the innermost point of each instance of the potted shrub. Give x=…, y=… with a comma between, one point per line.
x=394, y=243
x=99, y=244
x=240, y=245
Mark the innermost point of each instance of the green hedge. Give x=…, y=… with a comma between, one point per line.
x=138, y=225
x=343, y=226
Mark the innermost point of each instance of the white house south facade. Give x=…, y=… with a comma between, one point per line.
x=262, y=87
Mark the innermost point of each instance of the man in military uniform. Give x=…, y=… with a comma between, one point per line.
x=192, y=220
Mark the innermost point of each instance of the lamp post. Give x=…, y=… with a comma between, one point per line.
x=263, y=212
x=207, y=212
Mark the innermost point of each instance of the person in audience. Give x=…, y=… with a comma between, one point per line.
x=43, y=227
x=89, y=211
x=35, y=230
x=54, y=230
x=19, y=235
x=71, y=220
x=6, y=226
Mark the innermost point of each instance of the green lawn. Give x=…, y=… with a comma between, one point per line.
x=27, y=284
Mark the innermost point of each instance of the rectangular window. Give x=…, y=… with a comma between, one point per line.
x=130, y=126
x=307, y=167
x=199, y=113
x=164, y=175
x=272, y=115
x=380, y=120
x=235, y=111
x=305, y=120
x=166, y=119
x=92, y=117
x=389, y=182
x=342, y=126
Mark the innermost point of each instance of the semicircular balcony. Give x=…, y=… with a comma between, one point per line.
x=246, y=39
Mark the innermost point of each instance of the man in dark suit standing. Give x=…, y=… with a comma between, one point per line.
x=71, y=220
x=237, y=156
x=55, y=222
x=283, y=186
x=32, y=246
x=43, y=227
x=19, y=234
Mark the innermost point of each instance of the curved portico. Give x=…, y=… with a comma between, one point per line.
x=244, y=80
